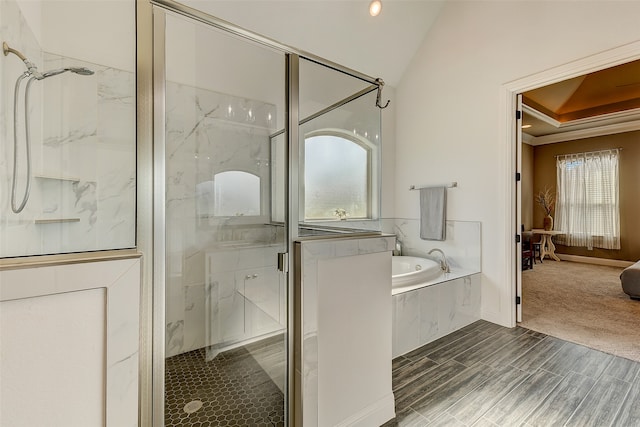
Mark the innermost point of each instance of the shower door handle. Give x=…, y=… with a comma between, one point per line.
x=283, y=262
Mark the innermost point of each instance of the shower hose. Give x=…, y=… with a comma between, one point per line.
x=14, y=183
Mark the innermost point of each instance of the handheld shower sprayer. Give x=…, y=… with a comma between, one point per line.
x=76, y=70
x=32, y=74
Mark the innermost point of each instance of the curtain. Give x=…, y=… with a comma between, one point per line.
x=587, y=204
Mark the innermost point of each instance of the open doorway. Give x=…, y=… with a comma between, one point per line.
x=563, y=117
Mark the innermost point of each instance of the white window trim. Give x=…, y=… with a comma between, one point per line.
x=373, y=178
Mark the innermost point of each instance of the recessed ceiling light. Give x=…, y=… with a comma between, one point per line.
x=526, y=126
x=375, y=7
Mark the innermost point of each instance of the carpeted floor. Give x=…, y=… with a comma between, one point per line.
x=582, y=303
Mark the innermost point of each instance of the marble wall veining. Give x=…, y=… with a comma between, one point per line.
x=83, y=153
x=209, y=300
x=425, y=314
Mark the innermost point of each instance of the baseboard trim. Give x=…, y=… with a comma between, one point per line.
x=597, y=261
x=495, y=317
x=373, y=415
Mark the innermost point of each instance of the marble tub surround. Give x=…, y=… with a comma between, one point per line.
x=83, y=154
x=462, y=246
x=431, y=312
x=455, y=274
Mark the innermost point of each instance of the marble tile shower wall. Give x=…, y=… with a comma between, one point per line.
x=207, y=256
x=83, y=151
x=16, y=32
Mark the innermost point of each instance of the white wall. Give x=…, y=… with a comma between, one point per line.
x=387, y=196
x=448, y=107
x=99, y=31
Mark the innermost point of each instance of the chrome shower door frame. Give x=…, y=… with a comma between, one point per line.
x=152, y=197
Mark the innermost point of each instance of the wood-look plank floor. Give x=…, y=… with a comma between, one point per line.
x=487, y=375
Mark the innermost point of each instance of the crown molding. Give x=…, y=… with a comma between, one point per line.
x=583, y=133
x=603, y=119
x=528, y=139
x=541, y=116
x=589, y=127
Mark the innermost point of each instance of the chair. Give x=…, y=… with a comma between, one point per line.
x=528, y=258
x=528, y=243
x=536, y=250
x=630, y=279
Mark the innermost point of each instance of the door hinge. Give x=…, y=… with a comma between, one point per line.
x=518, y=177
x=518, y=114
x=517, y=238
x=283, y=262
x=518, y=300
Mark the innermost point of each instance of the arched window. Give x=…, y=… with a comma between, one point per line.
x=337, y=177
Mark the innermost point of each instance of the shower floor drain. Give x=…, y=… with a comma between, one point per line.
x=192, y=406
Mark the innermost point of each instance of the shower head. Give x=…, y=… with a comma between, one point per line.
x=77, y=70
x=83, y=71
x=33, y=70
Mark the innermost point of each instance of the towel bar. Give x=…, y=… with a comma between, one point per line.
x=450, y=185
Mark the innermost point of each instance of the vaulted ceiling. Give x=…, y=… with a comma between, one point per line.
x=341, y=31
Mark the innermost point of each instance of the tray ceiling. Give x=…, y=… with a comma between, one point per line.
x=584, y=101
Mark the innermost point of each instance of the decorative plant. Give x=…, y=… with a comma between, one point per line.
x=546, y=199
x=340, y=213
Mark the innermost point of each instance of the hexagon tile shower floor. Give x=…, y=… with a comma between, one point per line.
x=233, y=388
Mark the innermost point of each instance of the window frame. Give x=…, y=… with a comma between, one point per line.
x=371, y=151
x=595, y=238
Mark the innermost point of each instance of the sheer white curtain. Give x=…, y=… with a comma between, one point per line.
x=587, y=204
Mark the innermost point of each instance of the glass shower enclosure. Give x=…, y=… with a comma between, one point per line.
x=225, y=298
x=251, y=153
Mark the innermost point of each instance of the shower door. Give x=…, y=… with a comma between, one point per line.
x=225, y=297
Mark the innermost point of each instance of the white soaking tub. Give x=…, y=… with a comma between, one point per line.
x=409, y=271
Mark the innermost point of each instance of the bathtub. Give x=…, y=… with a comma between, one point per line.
x=409, y=271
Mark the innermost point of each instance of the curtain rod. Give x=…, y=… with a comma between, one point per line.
x=450, y=185
x=589, y=152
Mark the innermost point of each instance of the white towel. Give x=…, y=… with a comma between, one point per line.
x=433, y=213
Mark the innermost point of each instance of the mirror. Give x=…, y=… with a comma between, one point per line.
x=230, y=193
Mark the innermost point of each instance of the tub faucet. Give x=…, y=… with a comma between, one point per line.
x=444, y=265
x=398, y=250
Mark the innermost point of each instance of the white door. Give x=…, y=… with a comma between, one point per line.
x=518, y=160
